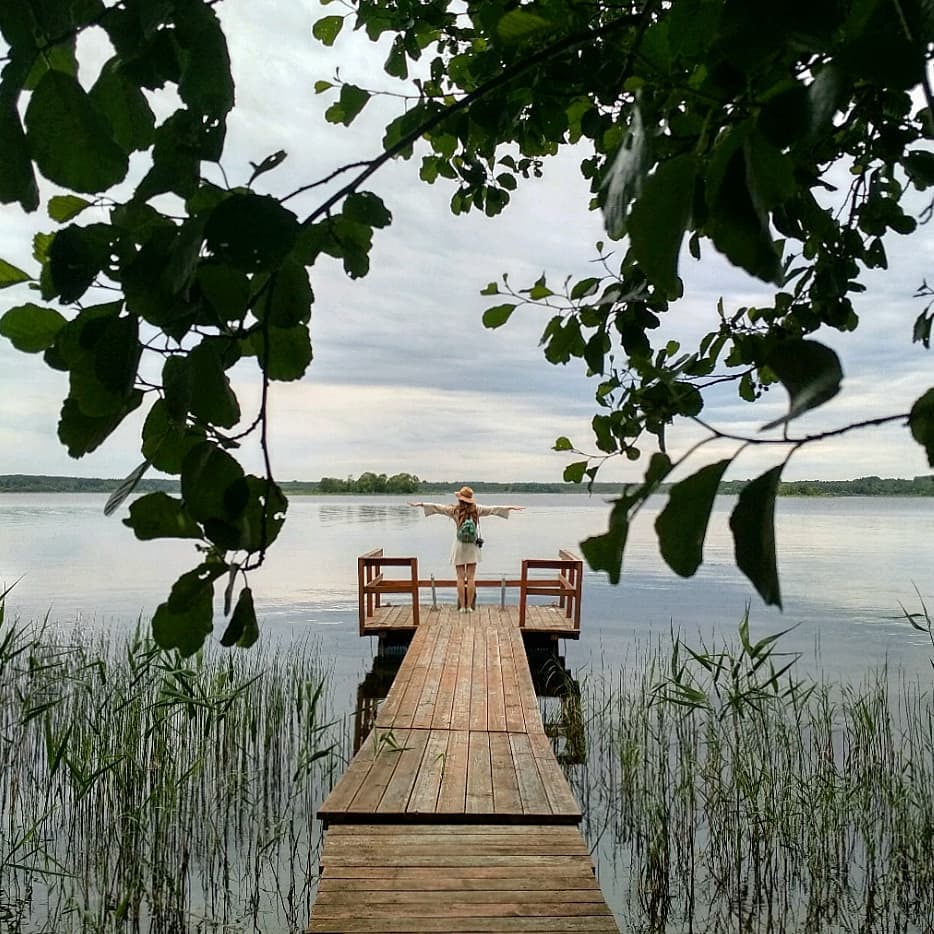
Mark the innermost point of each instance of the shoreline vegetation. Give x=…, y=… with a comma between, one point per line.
x=406, y=484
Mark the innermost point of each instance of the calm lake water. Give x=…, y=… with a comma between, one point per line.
x=846, y=565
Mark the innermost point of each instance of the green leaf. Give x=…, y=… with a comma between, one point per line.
x=82, y=433
x=574, y=473
x=739, y=224
x=226, y=290
x=158, y=515
x=521, y=24
x=753, y=525
x=11, y=275
x=166, y=442
x=63, y=208
x=251, y=232
x=327, y=29
x=205, y=83
x=498, y=315
x=31, y=328
x=563, y=444
x=125, y=106
x=70, y=139
x=284, y=352
x=659, y=218
x=322, y=86
x=605, y=552
x=346, y=109
x=17, y=178
x=810, y=371
x=921, y=420
x=288, y=298
x=367, y=208
x=186, y=618
x=126, y=486
x=212, y=399
x=212, y=484
x=259, y=524
x=77, y=256
x=682, y=525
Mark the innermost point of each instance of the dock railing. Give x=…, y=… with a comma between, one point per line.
x=563, y=580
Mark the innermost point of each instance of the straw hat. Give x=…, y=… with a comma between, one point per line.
x=465, y=494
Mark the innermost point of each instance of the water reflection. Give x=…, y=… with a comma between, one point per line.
x=396, y=515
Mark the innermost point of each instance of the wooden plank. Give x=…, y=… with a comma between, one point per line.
x=351, y=781
x=388, y=746
x=531, y=789
x=477, y=718
x=506, y=798
x=467, y=671
x=494, y=924
x=395, y=798
x=479, y=775
x=441, y=714
x=515, y=718
x=452, y=795
x=434, y=665
x=496, y=704
x=556, y=786
x=427, y=785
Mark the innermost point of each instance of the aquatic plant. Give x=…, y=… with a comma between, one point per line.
x=724, y=794
x=142, y=791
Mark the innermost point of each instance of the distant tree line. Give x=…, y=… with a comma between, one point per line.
x=369, y=482
x=405, y=484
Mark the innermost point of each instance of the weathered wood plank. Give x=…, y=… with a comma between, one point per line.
x=506, y=798
x=452, y=796
x=427, y=784
x=388, y=746
x=479, y=775
x=477, y=716
x=531, y=788
x=466, y=674
x=496, y=925
x=496, y=704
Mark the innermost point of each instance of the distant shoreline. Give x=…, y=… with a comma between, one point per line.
x=861, y=486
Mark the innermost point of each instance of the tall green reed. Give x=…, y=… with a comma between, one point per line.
x=725, y=794
x=142, y=791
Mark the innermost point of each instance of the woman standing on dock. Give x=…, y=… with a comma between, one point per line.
x=465, y=552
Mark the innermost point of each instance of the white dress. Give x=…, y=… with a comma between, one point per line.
x=464, y=552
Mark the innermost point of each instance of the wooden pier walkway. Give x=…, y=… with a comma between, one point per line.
x=454, y=816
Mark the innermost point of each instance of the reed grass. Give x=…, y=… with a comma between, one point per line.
x=723, y=794
x=141, y=791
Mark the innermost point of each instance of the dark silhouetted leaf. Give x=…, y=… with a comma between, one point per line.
x=212, y=399
x=243, y=629
x=605, y=552
x=921, y=421
x=70, y=139
x=682, y=524
x=753, y=525
x=187, y=617
x=659, y=218
x=125, y=106
x=521, y=24
x=209, y=475
x=17, y=178
x=158, y=515
x=366, y=208
x=77, y=256
x=252, y=232
x=809, y=371
x=82, y=433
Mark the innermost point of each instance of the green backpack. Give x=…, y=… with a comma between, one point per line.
x=467, y=531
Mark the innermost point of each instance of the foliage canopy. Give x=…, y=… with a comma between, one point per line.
x=718, y=123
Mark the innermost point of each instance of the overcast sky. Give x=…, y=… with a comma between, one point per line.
x=405, y=377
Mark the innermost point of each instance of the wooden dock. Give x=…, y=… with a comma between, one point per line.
x=454, y=815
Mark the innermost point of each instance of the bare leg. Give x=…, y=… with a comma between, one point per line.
x=471, y=589
x=461, y=586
